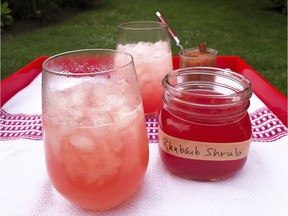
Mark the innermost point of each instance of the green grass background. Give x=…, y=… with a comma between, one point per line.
x=247, y=28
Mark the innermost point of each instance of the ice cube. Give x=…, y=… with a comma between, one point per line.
x=107, y=165
x=114, y=101
x=82, y=142
x=141, y=49
x=124, y=112
x=102, y=131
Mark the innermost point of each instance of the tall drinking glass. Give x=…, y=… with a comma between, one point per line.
x=95, y=137
x=149, y=44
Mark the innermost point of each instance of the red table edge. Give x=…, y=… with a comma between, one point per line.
x=20, y=79
x=265, y=91
x=269, y=95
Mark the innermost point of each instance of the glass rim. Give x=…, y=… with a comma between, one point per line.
x=226, y=73
x=209, y=50
x=126, y=25
x=67, y=53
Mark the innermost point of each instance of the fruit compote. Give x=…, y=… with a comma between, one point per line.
x=204, y=127
x=199, y=56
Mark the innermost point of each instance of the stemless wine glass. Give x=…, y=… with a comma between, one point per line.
x=95, y=136
x=149, y=44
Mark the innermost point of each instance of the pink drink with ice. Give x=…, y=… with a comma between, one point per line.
x=95, y=137
x=152, y=62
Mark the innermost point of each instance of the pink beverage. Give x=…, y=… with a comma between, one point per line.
x=149, y=44
x=95, y=136
x=152, y=61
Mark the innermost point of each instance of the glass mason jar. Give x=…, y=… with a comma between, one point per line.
x=94, y=127
x=204, y=126
x=149, y=44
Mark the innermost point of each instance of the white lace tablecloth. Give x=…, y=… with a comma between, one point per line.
x=260, y=188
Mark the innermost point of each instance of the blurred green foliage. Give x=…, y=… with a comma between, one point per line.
x=6, y=18
x=281, y=5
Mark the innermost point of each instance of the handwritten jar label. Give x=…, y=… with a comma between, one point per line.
x=203, y=150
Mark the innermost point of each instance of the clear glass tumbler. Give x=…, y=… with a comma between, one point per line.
x=149, y=44
x=95, y=136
